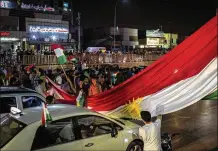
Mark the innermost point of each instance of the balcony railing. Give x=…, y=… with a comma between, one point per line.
x=90, y=58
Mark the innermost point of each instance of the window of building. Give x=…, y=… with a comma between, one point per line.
x=57, y=132
x=117, y=37
x=31, y=101
x=6, y=103
x=133, y=38
x=91, y=126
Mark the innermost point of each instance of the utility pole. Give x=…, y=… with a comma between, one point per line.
x=79, y=34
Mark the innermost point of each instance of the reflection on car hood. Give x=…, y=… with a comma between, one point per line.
x=2, y=117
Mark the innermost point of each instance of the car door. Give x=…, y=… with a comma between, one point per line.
x=6, y=102
x=28, y=101
x=96, y=134
x=58, y=135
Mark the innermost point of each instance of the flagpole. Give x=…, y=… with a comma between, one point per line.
x=63, y=70
x=71, y=85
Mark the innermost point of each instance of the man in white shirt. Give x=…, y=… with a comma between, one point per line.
x=151, y=132
x=58, y=79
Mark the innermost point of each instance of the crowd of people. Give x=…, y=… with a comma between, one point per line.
x=16, y=55
x=78, y=81
x=82, y=82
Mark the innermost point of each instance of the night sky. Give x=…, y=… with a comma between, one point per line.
x=183, y=17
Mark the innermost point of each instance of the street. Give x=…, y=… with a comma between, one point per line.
x=197, y=125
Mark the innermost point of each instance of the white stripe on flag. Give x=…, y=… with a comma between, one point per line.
x=59, y=52
x=181, y=94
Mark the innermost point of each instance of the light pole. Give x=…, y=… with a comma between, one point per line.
x=115, y=19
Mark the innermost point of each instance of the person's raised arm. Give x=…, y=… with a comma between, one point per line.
x=159, y=113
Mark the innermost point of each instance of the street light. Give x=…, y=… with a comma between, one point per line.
x=115, y=18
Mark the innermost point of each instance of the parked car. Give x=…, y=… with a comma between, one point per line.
x=71, y=128
x=18, y=97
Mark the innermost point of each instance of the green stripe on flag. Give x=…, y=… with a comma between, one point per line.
x=48, y=115
x=212, y=96
x=62, y=59
x=49, y=118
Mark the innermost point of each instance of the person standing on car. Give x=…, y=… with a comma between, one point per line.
x=151, y=132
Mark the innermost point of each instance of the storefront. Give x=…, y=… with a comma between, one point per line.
x=11, y=39
x=42, y=33
x=171, y=40
x=154, y=38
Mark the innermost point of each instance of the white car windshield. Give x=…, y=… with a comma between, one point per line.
x=10, y=127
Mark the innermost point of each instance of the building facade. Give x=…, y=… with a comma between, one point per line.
x=126, y=38
x=35, y=26
x=157, y=39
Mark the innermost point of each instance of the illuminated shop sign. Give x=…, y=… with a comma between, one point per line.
x=3, y=33
x=7, y=4
x=154, y=33
x=153, y=41
x=37, y=7
x=8, y=39
x=47, y=33
x=48, y=29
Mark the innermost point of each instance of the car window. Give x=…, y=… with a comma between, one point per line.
x=57, y=132
x=6, y=103
x=91, y=126
x=10, y=127
x=31, y=101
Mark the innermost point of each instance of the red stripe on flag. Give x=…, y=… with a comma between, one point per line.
x=55, y=46
x=43, y=116
x=68, y=99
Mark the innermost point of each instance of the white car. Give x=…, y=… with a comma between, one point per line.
x=19, y=97
x=71, y=128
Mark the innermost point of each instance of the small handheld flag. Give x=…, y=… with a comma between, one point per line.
x=46, y=117
x=59, y=52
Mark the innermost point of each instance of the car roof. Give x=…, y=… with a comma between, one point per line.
x=16, y=90
x=31, y=115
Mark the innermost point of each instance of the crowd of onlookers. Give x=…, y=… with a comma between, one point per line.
x=76, y=81
x=12, y=55
x=91, y=80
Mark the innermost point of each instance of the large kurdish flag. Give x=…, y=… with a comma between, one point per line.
x=59, y=52
x=178, y=79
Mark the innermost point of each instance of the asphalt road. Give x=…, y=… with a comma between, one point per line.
x=197, y=125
